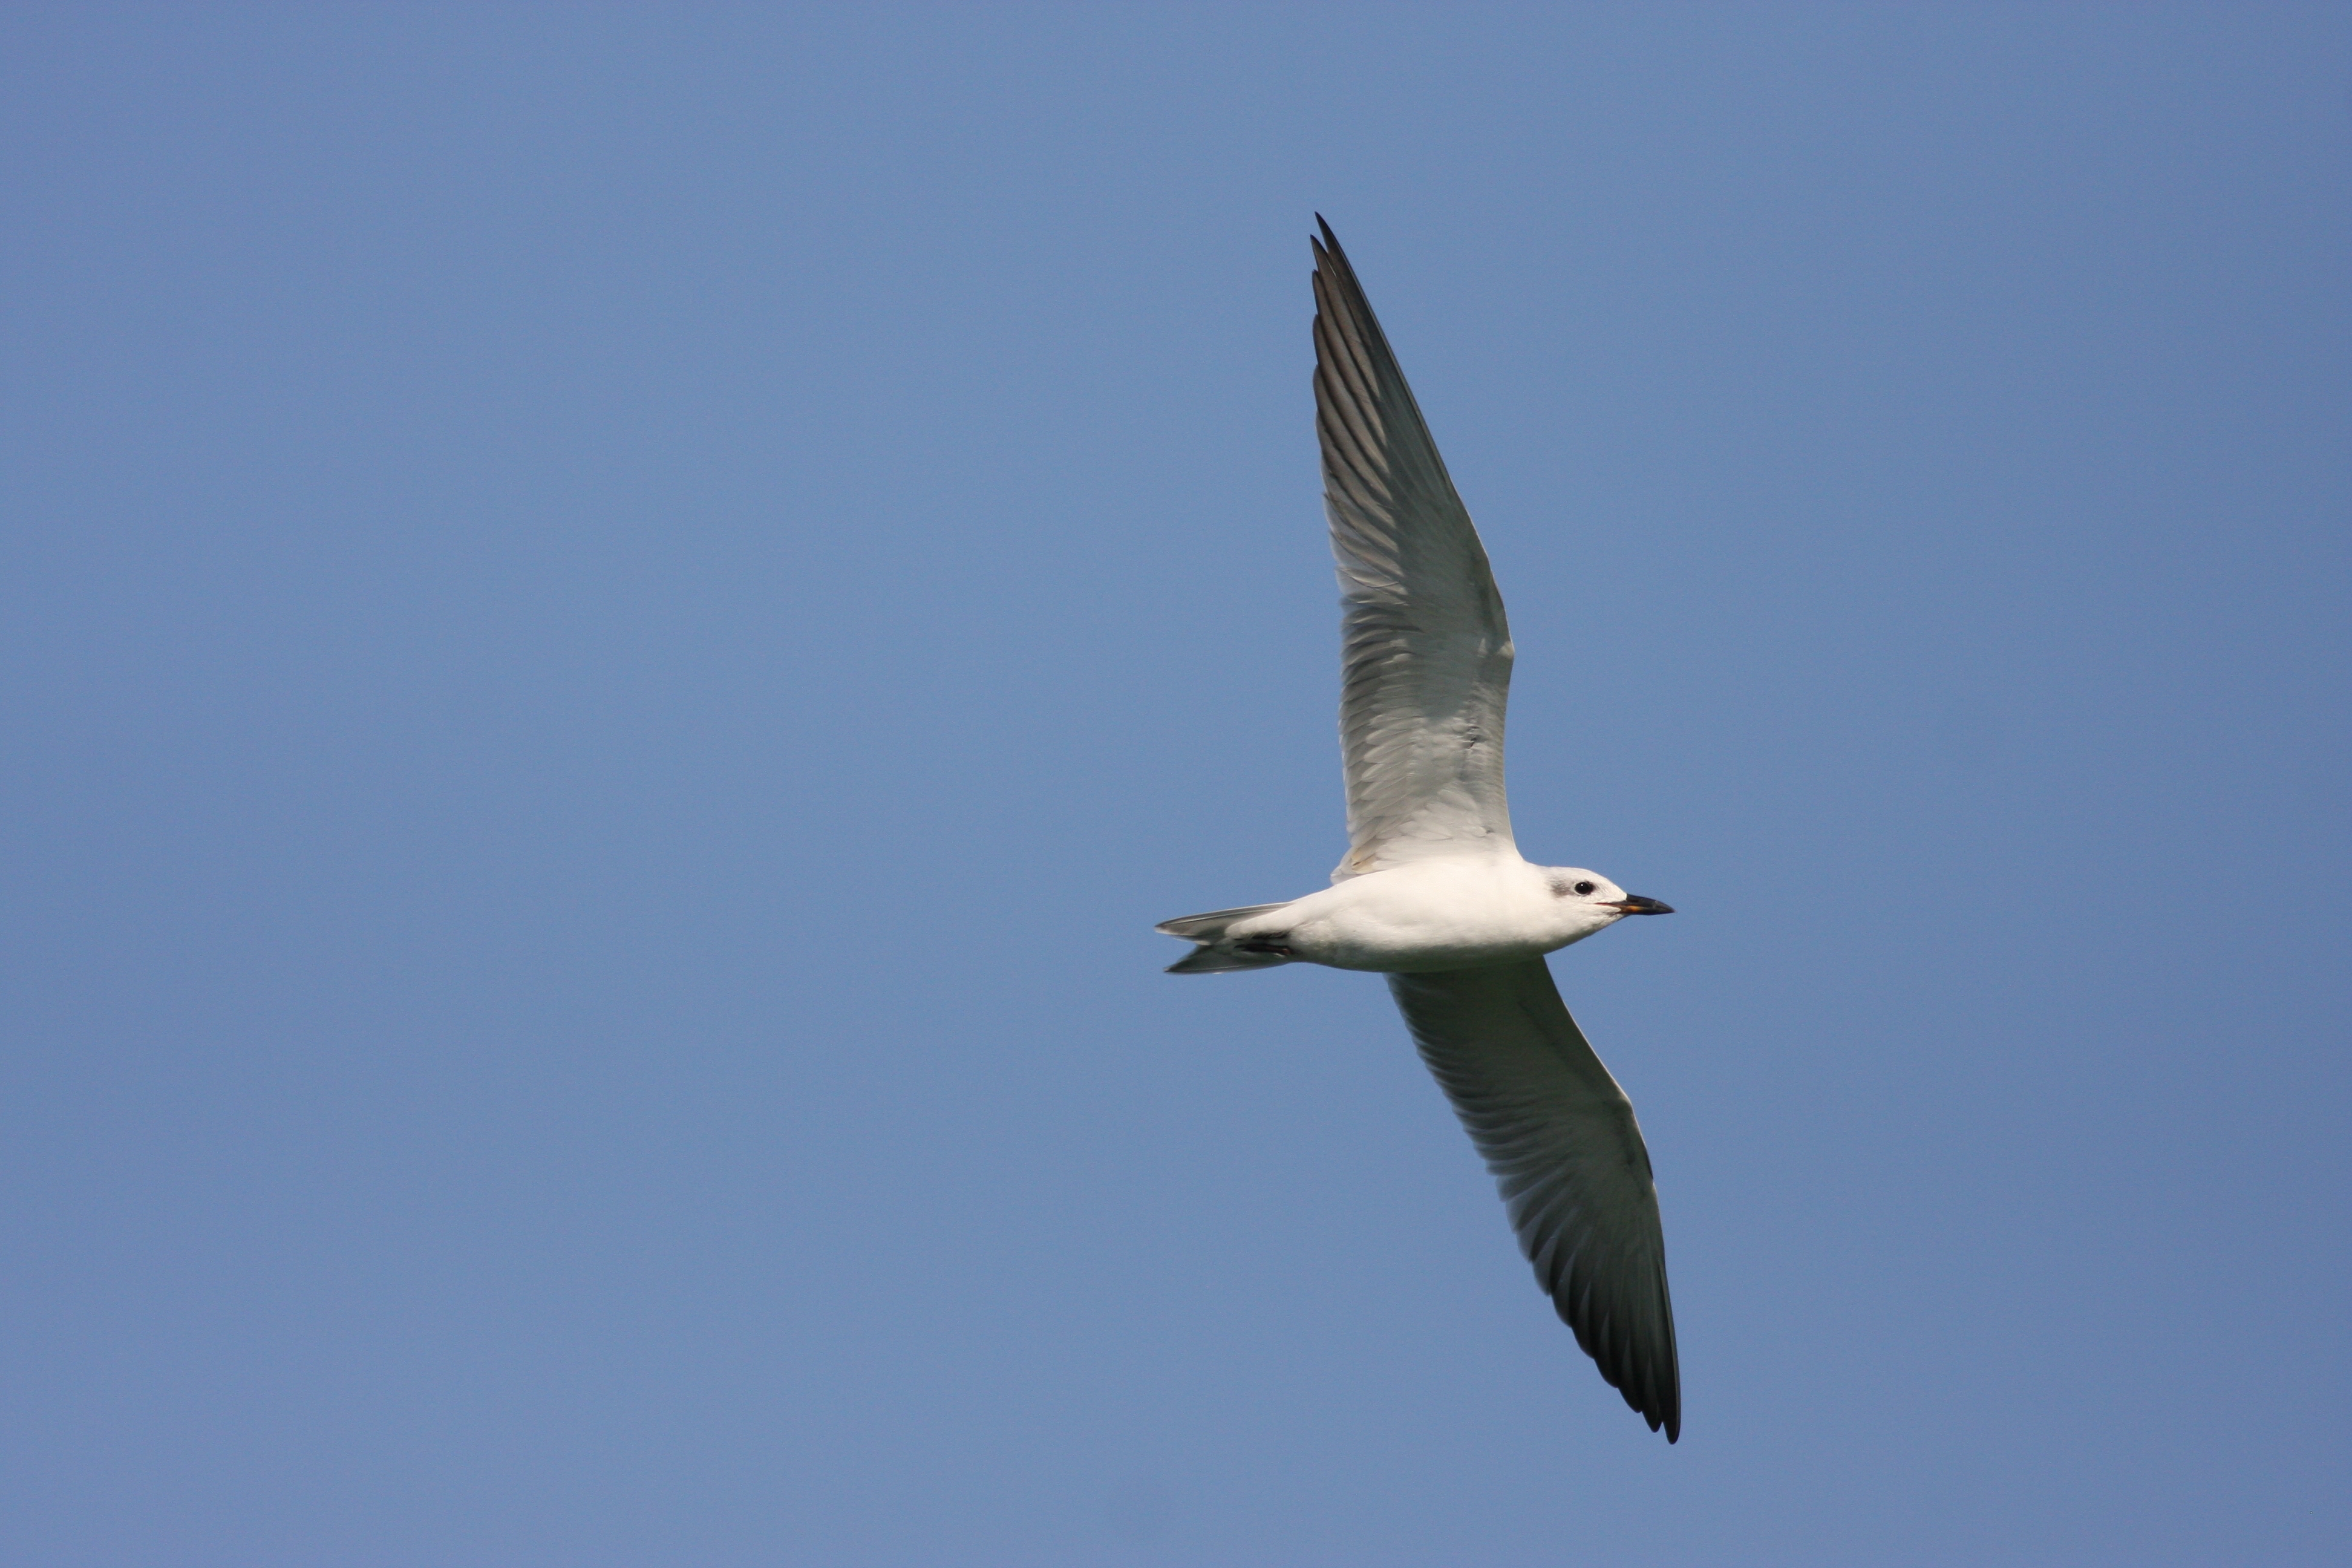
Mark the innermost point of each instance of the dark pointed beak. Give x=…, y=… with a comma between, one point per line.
x=1634, y=904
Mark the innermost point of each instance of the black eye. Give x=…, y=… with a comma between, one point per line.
x=1584, y=887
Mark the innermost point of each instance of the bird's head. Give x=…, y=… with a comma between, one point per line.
x=1588, y=893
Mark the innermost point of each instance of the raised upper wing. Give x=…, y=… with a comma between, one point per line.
x=1426, y=652
x=1561, y=1138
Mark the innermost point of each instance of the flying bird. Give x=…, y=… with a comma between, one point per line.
x=1434, y=892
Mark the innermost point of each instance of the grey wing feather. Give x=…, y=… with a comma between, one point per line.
x=1425, y=650
x=1561, y=1138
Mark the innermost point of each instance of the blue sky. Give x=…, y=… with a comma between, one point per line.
x=618, y=621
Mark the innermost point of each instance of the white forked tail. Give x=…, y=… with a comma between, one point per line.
x=1218, y=953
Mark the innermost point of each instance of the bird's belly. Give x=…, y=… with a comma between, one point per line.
x=1401, y=935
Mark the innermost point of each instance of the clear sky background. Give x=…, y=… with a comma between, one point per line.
x=618, y=621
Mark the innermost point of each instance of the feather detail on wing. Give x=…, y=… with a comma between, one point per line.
x=1426, y=651
x=1561, y=1138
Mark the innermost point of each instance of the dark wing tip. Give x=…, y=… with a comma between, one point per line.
x=1641, y=1365
x=1660, y=1397
x=1327, y=248
x=1660, y=1402
x=1652, y=1385
x=1658, y=1406
x=1631, y=1341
